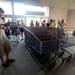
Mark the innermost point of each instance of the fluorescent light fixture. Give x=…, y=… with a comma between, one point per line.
x=34, y=8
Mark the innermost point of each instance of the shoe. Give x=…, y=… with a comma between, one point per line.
x=10, y=60
x=5, y=65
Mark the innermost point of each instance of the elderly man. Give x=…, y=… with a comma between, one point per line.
x=4, y=43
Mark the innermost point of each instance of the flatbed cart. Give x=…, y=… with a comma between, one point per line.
x=43, y=45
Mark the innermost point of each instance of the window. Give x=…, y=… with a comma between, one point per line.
x=6, y=6
x=19, y=9
x=22, y=9
x=33, y=8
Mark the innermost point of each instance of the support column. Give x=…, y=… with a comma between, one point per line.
x=13, y=16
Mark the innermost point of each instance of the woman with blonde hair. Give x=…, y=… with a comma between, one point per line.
x=4, y=43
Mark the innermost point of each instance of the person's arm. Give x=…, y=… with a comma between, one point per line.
x=3, y=33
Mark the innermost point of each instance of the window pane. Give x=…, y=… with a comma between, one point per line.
x=19, y=9
x=33, y=8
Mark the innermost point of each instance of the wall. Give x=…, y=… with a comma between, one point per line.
x=59, y=9
x=71, y=19
x=71, y=15
x=64, y=9
x=71, y=4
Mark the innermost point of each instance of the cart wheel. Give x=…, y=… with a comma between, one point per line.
x=53, y=65
x=69, y=58
x=63, y=60
x=27, y=46
x=49, y=67
x=42, y=67
x=61, y=54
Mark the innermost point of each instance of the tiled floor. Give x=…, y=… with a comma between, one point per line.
x=64, y=69
x=25, y=64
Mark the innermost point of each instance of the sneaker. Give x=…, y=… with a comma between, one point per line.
x=5, y=65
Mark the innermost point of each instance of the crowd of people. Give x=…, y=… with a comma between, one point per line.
x=14, y=28
x=17, y=28
x=49, y=23
x=52, y=24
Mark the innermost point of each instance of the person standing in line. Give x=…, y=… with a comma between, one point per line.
x=48, y=23
x=62, y=24
x=22, y=23
x=21, y=27
x=31, y=23
x=52, y=23
x=44, y=23
x=36, y=24
x=51, y=20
